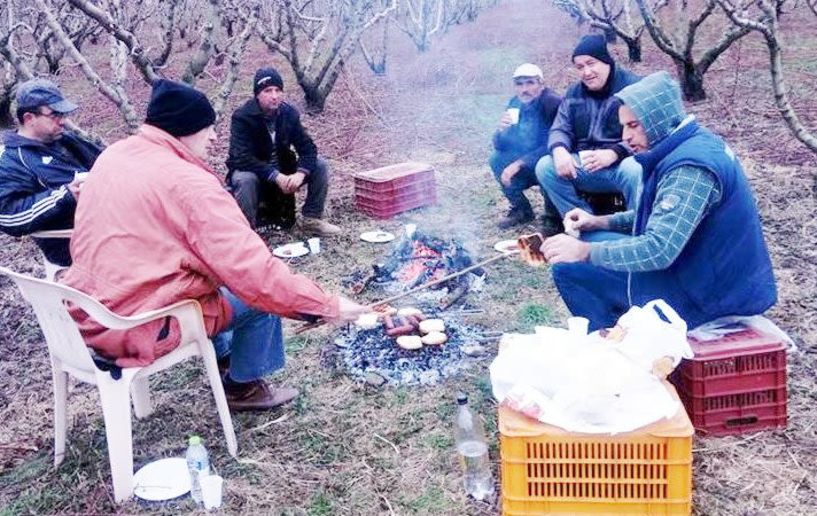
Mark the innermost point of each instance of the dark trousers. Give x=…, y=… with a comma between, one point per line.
x=601, y=294
x=524, y=179
x=250, y=191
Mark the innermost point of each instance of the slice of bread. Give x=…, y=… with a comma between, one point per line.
x=529, y=249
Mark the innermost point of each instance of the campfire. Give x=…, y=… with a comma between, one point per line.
x=417, y=260
x=403, y=347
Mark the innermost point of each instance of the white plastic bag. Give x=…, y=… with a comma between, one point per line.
x=590, y=383
x=649, y=338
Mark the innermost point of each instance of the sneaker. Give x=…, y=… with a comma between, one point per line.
x=257, y=395
x=319, y=227
x=551, y=226
x=515, y=218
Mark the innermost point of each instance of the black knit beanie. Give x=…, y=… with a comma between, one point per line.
x=593, y=45
x=179, y=109
x=266, y=77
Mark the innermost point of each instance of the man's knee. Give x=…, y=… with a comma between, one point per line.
x=244, y=181
x=565, y=274
x=545, y=170
x=630, y=169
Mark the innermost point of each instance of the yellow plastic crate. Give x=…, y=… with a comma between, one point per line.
x=547, y=470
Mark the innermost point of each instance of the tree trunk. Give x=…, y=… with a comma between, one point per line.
x=6, y=118
x=315, y=98
x=692, y=82
x=634, y=49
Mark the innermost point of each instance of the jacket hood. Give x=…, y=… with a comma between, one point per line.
x=656, y=102
x=14, y=140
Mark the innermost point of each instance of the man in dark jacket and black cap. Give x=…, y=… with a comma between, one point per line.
x=272, y=156
x=42, y=167
x=585, y=140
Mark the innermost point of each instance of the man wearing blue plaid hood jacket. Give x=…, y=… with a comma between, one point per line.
x=695, y=237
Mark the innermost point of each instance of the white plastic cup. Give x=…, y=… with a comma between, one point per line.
x=314, y=245
x=578, y=326
x=514, y=114
x=582, y=155
x=410, y=229
x=211, y=491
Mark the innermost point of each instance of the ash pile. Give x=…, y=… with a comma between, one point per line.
x=372, y=353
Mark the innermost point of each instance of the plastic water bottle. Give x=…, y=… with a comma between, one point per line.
x=473, y=452
x=198, y=463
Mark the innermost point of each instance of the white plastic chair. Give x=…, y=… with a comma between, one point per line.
x=69, y=355
x=51, y=269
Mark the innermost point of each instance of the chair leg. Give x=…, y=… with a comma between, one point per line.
x=140, y=391
x=208, y=355
x=115, y=396
x=60, y=379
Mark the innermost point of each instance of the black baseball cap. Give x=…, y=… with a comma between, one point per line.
x=42, y=92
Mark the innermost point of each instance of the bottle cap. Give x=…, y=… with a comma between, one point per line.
x=194, y=440
x=462, y=398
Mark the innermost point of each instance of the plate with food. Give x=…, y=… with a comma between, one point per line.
x=292, y=250
x=377, y=237
x=507, y=246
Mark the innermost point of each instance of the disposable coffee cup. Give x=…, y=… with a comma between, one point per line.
x=211, y=491
x=410, y=229
x=514, y=114
x=578, y=326
x=582, y=155
x=314, y=244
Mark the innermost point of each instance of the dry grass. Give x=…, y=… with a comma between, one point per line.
x=346, y=448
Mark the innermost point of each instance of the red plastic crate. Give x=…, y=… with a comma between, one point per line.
x=735, y=384
x=387, y=191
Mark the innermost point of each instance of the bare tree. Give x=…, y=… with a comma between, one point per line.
x=375, y=52
x=420, y=20
x=612, y=16
x=690, y=70
x=766, y=23
x=317, y=37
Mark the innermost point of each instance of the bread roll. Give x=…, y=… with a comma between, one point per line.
x=367, y=321
x=434, y=338
x=409, y=310
x=530, y=249
x=410, y=342
x=430, y=325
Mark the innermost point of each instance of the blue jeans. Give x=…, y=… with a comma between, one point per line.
x=524, y=179
x=624, y=178
x=253, y=340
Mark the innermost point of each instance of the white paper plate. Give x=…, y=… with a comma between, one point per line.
x=507, y=246
x=163, y=479
x=291, y=250
x=377, y=237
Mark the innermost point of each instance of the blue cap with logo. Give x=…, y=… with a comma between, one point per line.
x=42, y=92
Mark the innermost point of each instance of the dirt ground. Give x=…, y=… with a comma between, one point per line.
x=349, y=448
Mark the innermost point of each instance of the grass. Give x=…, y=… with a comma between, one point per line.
x=349, y=449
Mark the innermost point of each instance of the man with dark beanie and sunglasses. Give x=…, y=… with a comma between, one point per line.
x=587, y=153
x=272, y=156
x=156, y=226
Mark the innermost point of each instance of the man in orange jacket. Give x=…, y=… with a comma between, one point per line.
x=156, y=226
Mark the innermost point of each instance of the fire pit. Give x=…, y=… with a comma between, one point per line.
x=371, y=352
x=417, y=260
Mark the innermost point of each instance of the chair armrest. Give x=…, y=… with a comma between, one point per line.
x=53, y=233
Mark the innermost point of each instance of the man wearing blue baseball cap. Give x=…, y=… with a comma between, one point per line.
x=41, y=168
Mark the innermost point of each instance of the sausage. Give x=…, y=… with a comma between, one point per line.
x=400, y=330
x=413, y=320
x=388, y=322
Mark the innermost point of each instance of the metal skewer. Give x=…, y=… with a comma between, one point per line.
x=372, y=306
